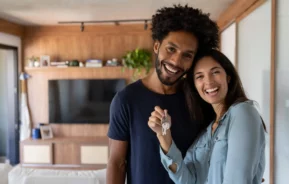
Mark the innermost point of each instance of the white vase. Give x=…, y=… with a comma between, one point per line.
x=36, y=64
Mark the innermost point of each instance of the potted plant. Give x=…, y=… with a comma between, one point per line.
x=137, y=59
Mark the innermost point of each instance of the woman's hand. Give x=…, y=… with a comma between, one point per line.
x=155, y=123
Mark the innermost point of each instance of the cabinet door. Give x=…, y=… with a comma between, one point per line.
x=37, y=153
x=66, y=154
x=93, y=154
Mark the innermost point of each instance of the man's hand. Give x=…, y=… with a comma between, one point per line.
x=155, y=123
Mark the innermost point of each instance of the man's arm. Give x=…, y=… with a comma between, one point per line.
x=119, y=136
x=116, y=167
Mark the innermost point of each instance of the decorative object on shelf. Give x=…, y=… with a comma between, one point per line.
x=112, y=62
x=30, y=63
x=73, y=63
x=44, y=61
x=33, y=62
x=93, y=63
x=58, y=63
x=46, y=132
x=138, y=59
x=36, y=133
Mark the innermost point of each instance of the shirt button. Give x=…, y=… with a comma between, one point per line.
x=217, y=138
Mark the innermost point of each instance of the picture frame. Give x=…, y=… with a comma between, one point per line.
x=44, y=61
x=46, y=132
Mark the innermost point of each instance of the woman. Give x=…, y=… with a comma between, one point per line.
x=231, y=149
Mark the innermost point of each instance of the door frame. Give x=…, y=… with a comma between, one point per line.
x=14, y=128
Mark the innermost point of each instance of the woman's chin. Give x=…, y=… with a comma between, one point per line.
x=213, y=101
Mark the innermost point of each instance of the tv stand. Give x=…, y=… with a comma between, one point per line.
x=65, y=153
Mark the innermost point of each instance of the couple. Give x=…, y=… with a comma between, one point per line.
x=216, y=135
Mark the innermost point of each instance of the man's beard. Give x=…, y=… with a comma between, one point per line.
x=158, y=65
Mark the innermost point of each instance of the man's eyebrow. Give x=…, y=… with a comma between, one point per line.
x=188, y=51
x=173, y=44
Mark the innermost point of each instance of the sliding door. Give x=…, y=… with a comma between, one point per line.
x=253, y=60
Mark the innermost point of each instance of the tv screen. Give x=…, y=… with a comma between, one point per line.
x=82, y=101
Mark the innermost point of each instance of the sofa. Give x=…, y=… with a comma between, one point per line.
x=21, y=175
x=4, y=170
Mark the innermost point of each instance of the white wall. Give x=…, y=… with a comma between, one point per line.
x=254, y=48
x=282, y=94
x=11, y=40
x=228, y=42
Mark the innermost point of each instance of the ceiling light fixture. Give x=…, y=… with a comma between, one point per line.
x=82, y=26
x=146, y=25
x=116, y=22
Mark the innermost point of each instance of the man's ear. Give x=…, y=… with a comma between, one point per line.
x=157, y=45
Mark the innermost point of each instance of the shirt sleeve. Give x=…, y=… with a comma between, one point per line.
x=119, y=119
x=185, y=173
x=246, y=141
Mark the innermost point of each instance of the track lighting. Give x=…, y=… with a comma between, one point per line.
x=116, y=22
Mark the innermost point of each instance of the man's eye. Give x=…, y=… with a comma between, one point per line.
x=188, y=56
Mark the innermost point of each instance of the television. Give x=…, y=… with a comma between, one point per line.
x=82, y=100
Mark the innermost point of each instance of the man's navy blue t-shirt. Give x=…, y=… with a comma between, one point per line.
x=129, y=113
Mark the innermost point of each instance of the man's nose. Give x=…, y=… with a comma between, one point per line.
x=176, y=59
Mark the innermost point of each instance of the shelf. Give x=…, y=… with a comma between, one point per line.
x=96, y=139
x=73, y=68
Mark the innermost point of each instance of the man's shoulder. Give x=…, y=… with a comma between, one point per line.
x=128, y=92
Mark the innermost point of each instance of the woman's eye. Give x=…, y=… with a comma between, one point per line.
x=199, y=77
x=216, y=72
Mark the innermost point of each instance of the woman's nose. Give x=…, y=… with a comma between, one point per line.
x=209, y=79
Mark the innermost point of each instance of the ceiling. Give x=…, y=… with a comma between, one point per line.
x=50, y=12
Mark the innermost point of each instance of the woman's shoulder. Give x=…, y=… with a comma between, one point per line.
x=246, y=107
x=244, y=113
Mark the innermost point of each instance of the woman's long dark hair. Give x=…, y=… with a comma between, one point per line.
x=201, y=110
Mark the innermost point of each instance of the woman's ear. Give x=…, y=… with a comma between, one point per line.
x=228, y=79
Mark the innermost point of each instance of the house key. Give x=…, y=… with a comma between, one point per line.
x=166, y=123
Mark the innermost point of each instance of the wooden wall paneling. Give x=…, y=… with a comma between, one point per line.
x=97, y=47
x=233, y=11
x=68, y=42
x=97, y=42
x=11, y=28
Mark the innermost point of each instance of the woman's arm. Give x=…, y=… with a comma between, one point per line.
x=180, y=171
x=246, y=141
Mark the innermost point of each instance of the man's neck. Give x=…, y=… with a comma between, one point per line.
x=153, y=83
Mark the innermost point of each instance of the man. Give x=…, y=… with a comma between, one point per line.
x=178, y=33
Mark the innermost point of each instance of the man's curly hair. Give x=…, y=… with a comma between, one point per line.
x=185, y=18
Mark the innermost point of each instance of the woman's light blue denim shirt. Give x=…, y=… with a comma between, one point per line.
x=234, y=154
